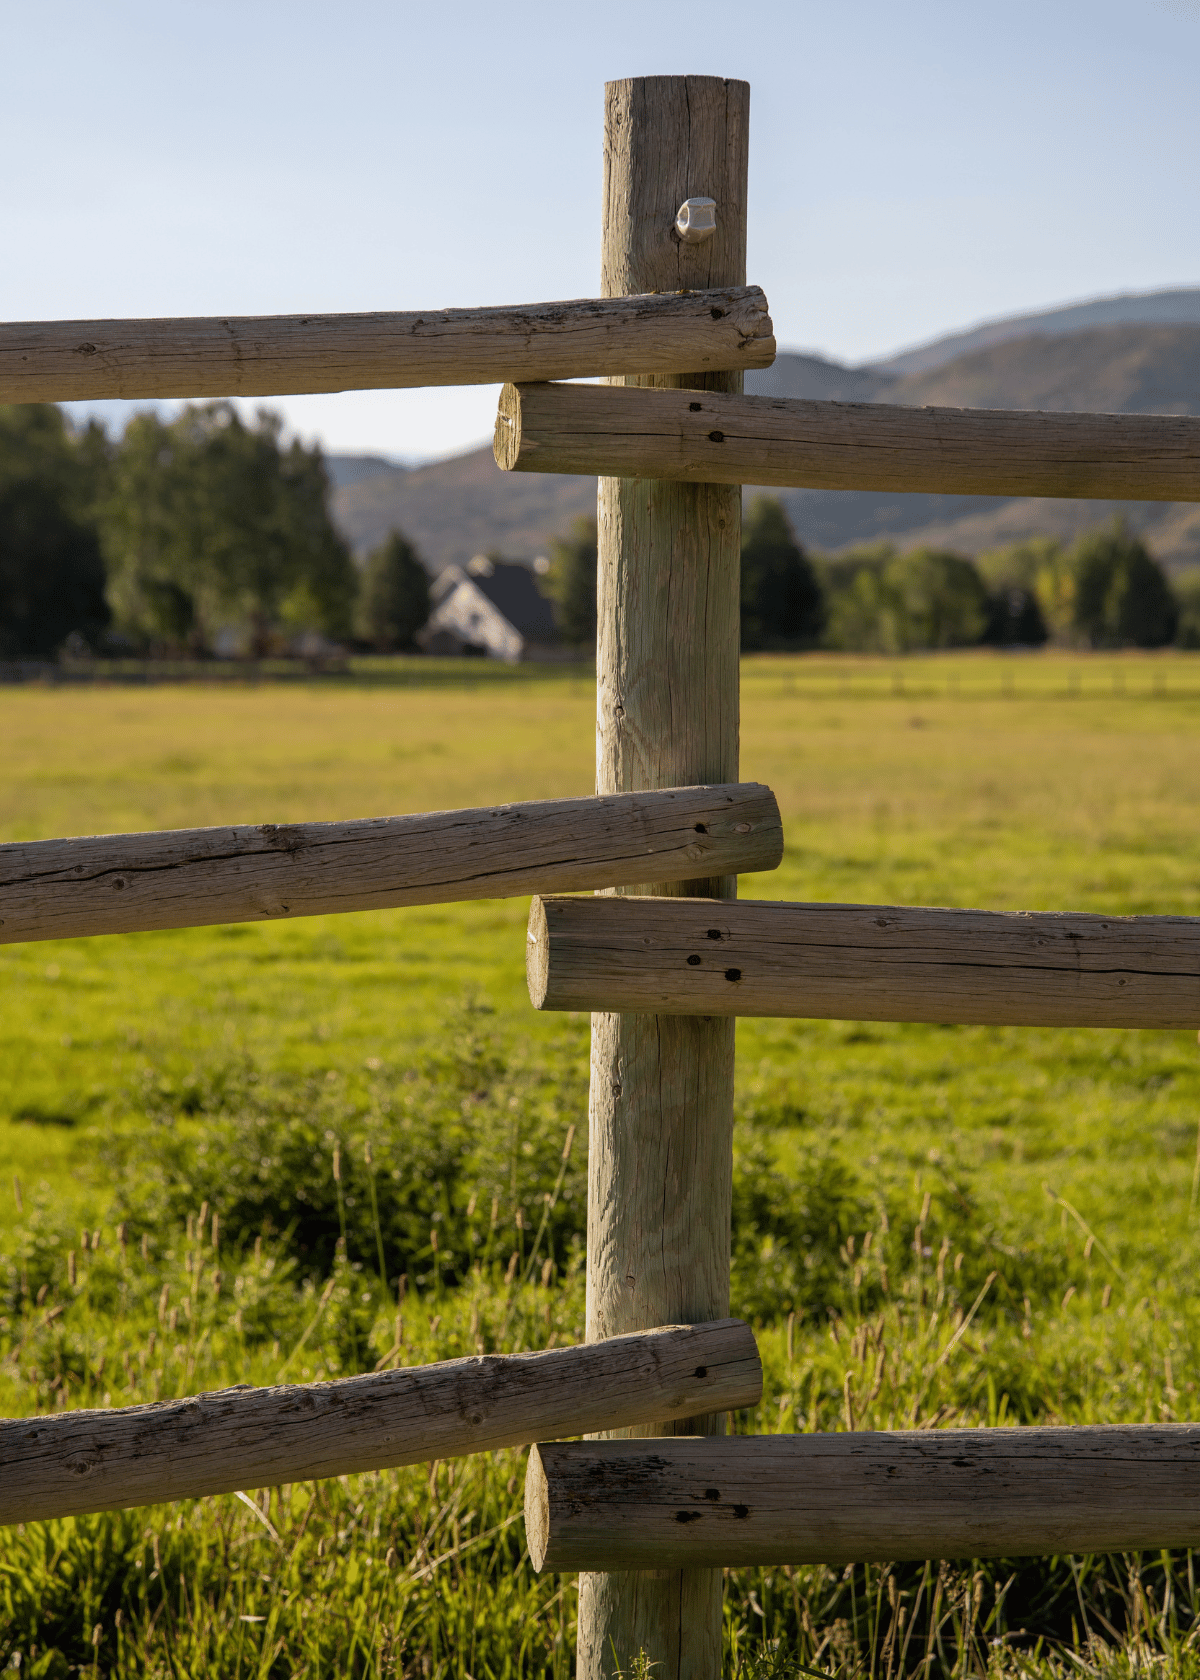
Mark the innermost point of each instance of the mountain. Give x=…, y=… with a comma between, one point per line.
x=1179, y=307
x=465, y=506
x=345, y=470
x=795, y=374
x=460, y=507
x=831, y=520
x=1109, y=370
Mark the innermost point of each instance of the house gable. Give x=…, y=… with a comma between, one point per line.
x=467, y=614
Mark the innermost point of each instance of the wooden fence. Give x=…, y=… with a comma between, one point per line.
x=665, y=963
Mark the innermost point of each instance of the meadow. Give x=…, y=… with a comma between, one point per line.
x=932, y=1225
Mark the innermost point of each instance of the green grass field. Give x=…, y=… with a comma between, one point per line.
x=149, y=1075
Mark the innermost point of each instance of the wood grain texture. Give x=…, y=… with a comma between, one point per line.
x=716, y=438
x=864, y=962
x=661, y=1103
x=279, y=355
x=68, y=1462
x=862, y=1498
x=124, y=883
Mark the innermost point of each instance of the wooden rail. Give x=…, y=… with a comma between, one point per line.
x=278, y=355
x=125, y=883
x=863, y=962
x=712, y=438
x=67, y=1462
x=860, y=1498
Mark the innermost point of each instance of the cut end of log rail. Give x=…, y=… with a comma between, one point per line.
x=863, y=962
x=66, y=1463
x=129, y=883
x=742, y=1501
x=713, y=437
x=280, y=355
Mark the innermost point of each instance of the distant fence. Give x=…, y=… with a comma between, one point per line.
x=408, y=671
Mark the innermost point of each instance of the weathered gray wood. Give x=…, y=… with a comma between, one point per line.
x=274, y=355
x=864, y=962
x=67, y=1462
x=661, y=1104
x=125, y=883
x=724, y=439
x=862, y=1498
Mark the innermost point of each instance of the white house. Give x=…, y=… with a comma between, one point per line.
x=493, y=607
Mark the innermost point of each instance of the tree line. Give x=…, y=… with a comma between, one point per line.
x=181, y=529
x=1105, y=590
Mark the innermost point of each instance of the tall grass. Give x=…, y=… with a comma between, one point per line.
x=906, y=1311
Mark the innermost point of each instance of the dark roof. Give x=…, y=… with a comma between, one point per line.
x=513, y=589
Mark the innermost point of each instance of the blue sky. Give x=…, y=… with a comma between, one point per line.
x=914, y=167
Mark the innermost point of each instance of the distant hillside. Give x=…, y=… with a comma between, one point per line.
x=459, y=507
x=794, y=374
x=462, y=507
x=1177, y=307
x=830, y=520
x=1109, y=370
x=345, y=470
x=1116, y=369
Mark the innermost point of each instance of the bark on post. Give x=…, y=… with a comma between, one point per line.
x=661, y=1109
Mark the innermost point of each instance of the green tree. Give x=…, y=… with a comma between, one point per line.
x=940, y=600
x=571, y=583
x=394, y=601
x=51, y=568
x=1011, y=576
x=38, y=443
x=863, y=610
x=1122, y=595
x=865, y=614
x=783, y=604
x=155, y=580
x=1038, y=568
x=212, y=521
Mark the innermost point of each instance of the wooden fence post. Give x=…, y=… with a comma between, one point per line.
x=661, y=1107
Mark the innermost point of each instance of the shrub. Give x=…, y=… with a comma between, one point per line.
x=429, y=1167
